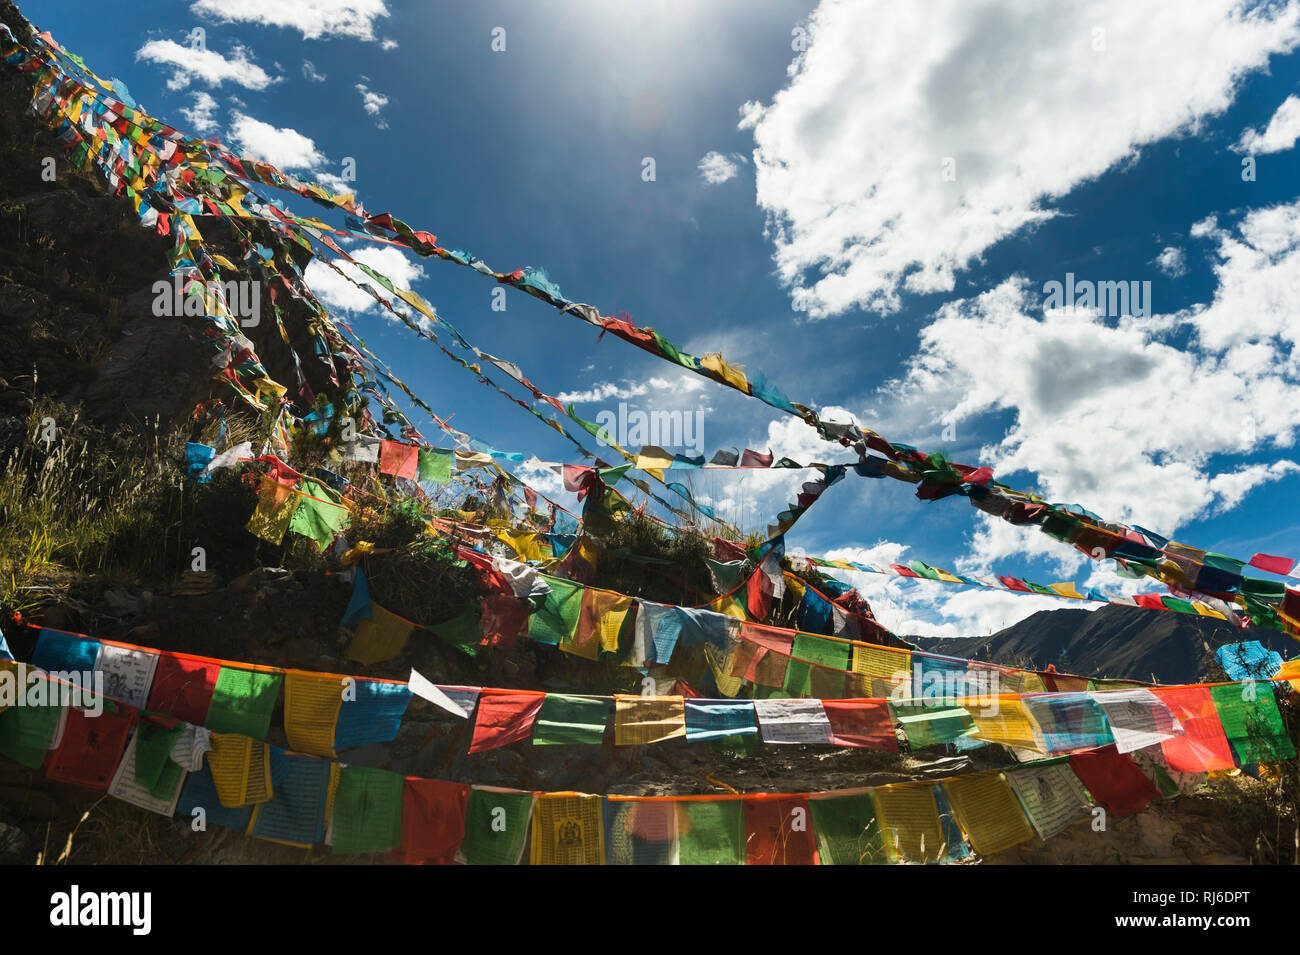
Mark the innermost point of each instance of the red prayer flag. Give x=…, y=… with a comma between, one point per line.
x=504, y=717
x=864, y=724
x=752, y=459
x=401, y=460
x=1203, y=746
x=1114, y=780
x=504, y=618
x=433, y=821
x=183, y=688
x=778, y=831
x=91, y=748
x=1274, y=565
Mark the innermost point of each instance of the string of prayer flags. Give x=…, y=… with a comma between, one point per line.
x=1113, y=780
x=778, y=830
x=504, y=717
x=640, y=831
x=568, y=829
x=640, y=720
x=846, y=828
x=988, y=812
x=570, y=719
x=863, y=724
x=710, y=831
x=1137, y=718
x=793, y=721
x=1252, y=723
x=295, y=813
x=496, y=825
x=1050, y=794
x=241, y=769
x=243, y=702
x=433, y=821
x=909, y=818
x=382, y=637
x=367, y=813
x=718, y=719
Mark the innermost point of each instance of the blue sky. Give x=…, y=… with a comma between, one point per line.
x=800, y=221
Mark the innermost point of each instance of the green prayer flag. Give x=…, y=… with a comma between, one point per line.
x=847, y=830
x=929, y=725
x=436, y=465
x=496, y=826
x=462, y=631
x=315, y=518
x=570, y=719
x=153, y=748
x=26, y=730
x=835, y=654
x=243, y=702
x=1252, y=723
x=711, y=832
x=367, y=811
x=556, y=618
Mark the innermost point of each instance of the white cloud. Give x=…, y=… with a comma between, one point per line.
x=283, y=147
x=603, y=391
x=1282, y=131
x=388, y=45
x=314, y=19
x=373, y=103
x=200, y=114
x=850, y=156
x=310, y=72
x=717, y=168
x=339, y=294
x=1172, y=261
x=205, y=66
x=1128, y=419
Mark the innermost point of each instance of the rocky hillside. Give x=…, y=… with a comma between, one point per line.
x=1113, y=641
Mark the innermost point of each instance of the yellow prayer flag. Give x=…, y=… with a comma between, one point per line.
x=568, y=830
x=1009, y=723
x=241, y=769
x=721, y=666
x=733, y=375
x=909, y=818
x=275, y=506
x=648, y=719
x=311, y=711
x=1065, y=590
x=989, y=812
x=380, y=638
x=888, y=670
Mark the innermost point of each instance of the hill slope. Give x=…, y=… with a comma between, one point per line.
x=1114, y=641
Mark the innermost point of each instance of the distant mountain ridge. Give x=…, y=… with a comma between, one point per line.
x=1114, y=641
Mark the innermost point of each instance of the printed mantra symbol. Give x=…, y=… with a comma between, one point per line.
x=568, y=834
